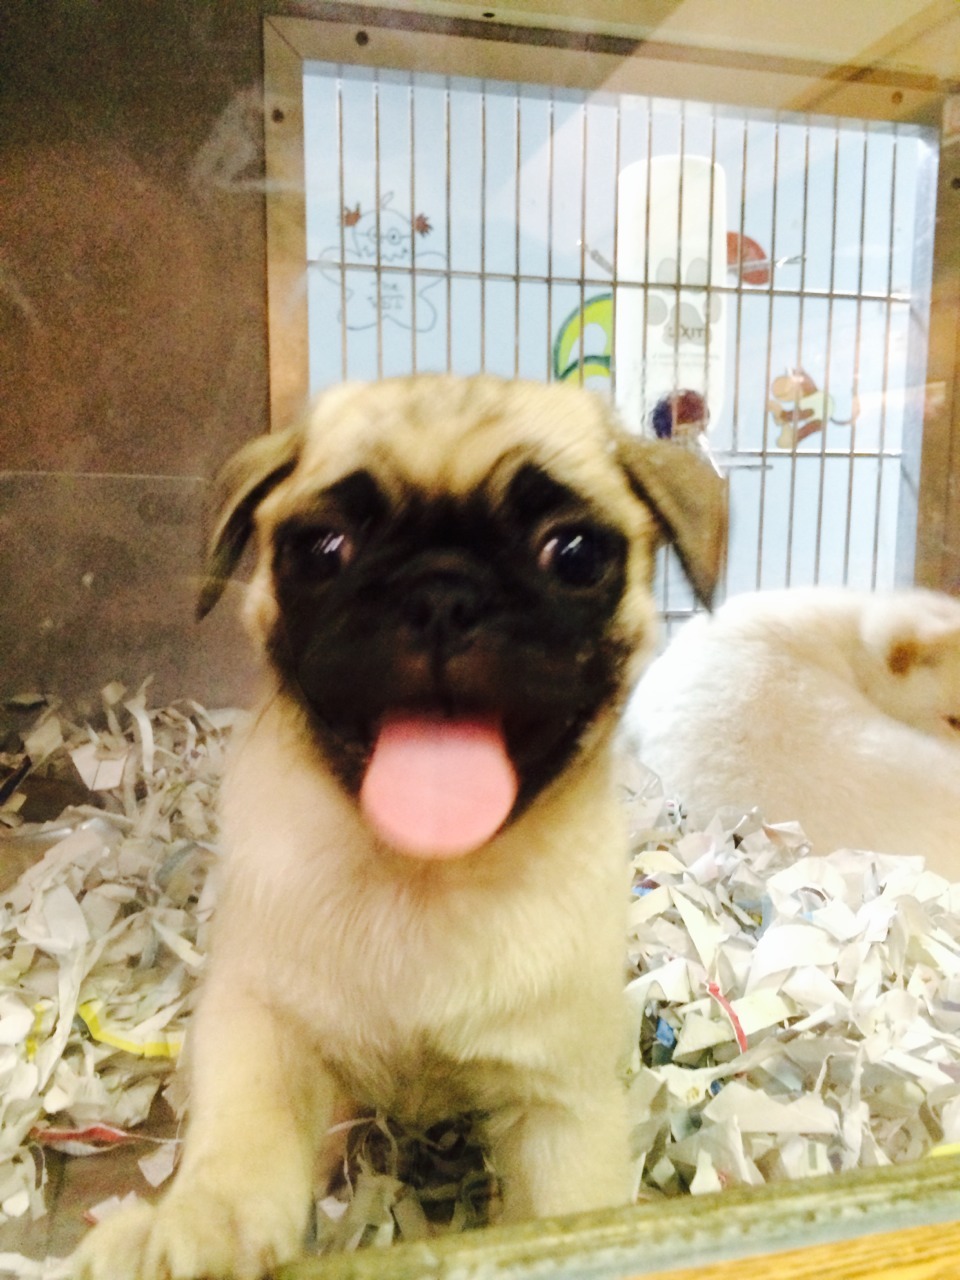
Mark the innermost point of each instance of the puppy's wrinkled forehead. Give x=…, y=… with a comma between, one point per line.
x=440, y=435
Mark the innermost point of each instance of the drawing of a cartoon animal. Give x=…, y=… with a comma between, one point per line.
x=376, y=276
x=799, y=408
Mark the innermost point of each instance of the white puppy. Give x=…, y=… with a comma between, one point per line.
x=838, y=709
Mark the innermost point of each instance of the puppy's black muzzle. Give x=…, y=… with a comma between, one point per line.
x=467, y=628
x=442, y=607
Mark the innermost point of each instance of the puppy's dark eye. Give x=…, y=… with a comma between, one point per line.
x=317, y=554
x=578, y=555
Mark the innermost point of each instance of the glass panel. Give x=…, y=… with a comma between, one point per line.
x=663, y=252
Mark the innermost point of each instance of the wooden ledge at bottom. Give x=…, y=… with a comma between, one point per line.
x=899, y=1223
x=919, y=1253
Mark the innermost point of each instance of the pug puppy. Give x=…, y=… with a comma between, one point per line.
x=423, y=904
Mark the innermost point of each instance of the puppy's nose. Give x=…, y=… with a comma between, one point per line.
x=443, y=611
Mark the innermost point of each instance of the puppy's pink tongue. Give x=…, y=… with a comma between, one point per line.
x=438, y=788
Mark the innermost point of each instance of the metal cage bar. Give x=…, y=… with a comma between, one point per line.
x=747, y=443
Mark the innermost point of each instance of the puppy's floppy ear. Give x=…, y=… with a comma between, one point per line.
x=920, y=642
x=689, y=498
x=241, y=486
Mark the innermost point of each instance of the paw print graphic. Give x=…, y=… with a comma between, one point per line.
x=684, y=321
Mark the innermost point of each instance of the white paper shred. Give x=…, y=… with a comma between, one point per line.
x=794, y=1014
x=113, y=1204
x=44, y=738
x=842, y=971
x=158, y=1166
x=18, y=1267
x=102, y=939
x=99, y=772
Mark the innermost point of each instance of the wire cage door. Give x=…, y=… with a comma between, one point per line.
x=750, y=280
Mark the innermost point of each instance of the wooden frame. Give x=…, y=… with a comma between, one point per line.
x=286, y=224
x=878, y=1223
x=936, y=471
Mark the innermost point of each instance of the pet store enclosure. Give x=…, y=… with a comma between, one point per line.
x=752, y=280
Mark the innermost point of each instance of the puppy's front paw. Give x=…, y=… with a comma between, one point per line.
x=115, y=1248
x=192, y=1234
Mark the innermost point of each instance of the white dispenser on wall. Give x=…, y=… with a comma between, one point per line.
x=670, y=342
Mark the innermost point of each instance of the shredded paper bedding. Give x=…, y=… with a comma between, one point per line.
x=793, y=1014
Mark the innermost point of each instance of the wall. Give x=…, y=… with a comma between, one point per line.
x=132, y=333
